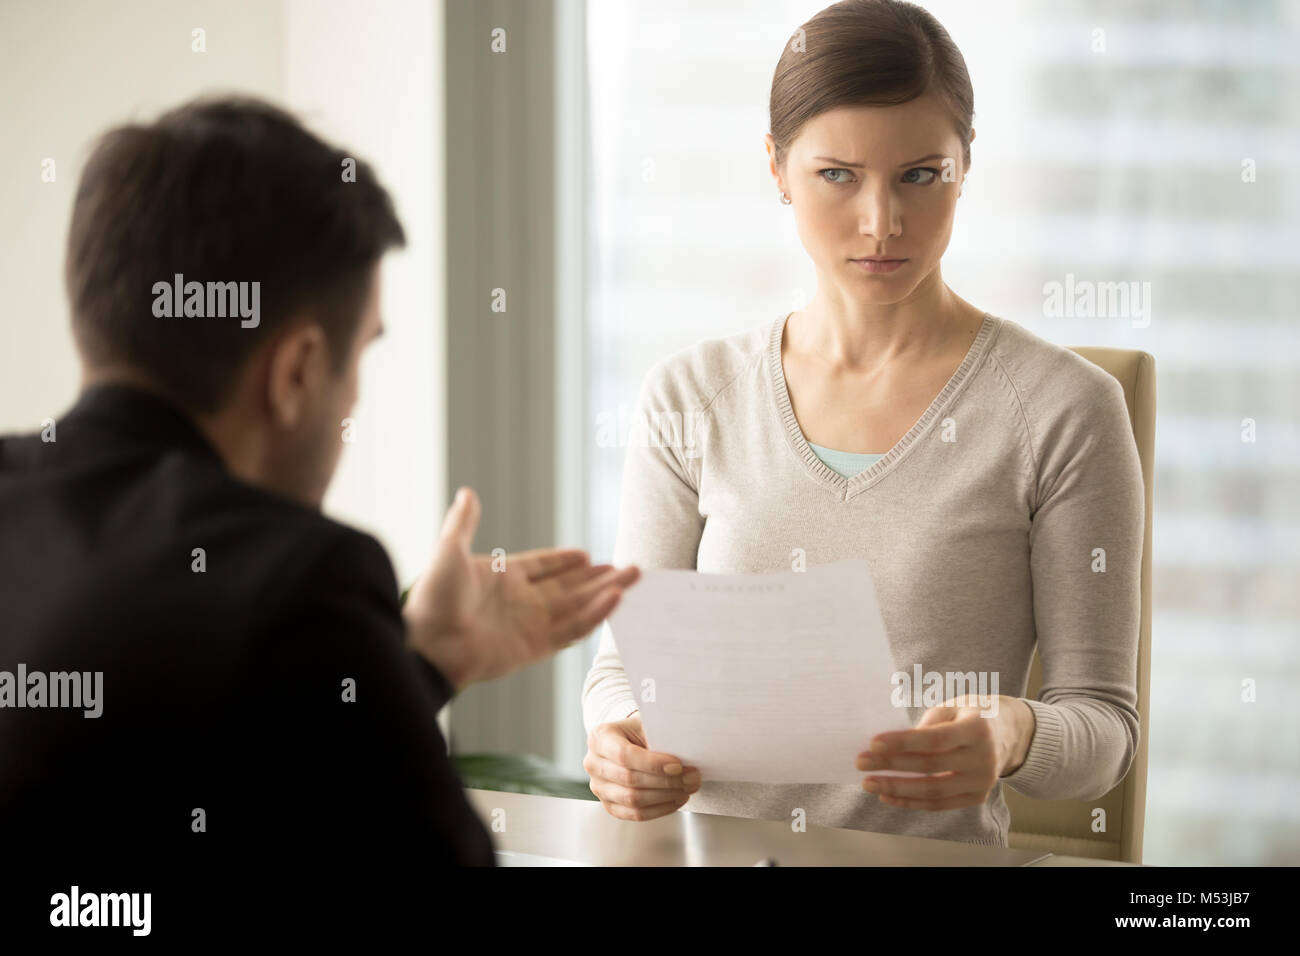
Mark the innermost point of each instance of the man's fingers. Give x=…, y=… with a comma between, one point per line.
x=559, y=585
x=540, y=563
x=579, y=598
x=583, y=621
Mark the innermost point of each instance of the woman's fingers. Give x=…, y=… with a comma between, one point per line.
x=610, y=742
x=642, y=812
x=963, y=759
x=656, y=796
x=952, y=803
x=605, y=769
x=631, y=781
x=933, y=788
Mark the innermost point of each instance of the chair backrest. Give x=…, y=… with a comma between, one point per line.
x=1065, y=827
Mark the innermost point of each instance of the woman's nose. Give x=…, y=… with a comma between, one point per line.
x=879, y=216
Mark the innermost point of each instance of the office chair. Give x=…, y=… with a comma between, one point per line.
x=1064, y=827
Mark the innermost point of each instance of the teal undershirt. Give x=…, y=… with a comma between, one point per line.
x=846, y=463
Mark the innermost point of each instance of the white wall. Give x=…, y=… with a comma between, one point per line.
x=365, y=76
x=69, y=69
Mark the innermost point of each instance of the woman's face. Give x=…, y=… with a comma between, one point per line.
x=874, y=181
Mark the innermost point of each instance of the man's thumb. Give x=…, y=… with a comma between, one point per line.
x=462, y=517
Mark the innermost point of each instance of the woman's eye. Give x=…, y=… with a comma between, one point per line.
x=921, y=169
x=837, y=182
x=840, y=176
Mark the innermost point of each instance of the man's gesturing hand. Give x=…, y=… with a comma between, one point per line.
x=475, y=623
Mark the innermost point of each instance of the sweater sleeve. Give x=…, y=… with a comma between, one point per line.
x=659, y=524
x=1085, y=542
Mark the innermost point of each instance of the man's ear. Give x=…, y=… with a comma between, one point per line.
x=296, y=372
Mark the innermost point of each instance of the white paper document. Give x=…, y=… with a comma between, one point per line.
x=769, y=678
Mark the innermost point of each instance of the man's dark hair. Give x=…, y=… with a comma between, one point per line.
x=228, y=189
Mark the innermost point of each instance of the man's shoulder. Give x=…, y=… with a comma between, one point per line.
x=278, y=548
x=174, y=544
x=293, y=555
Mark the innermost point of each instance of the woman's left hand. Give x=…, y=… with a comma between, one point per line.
x=961, y=752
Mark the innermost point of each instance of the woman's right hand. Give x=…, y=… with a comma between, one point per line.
x=633, y=782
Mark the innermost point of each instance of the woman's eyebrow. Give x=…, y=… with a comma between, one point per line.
x=841, y=162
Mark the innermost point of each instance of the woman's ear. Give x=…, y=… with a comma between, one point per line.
x=967, y=170
x=770, y=144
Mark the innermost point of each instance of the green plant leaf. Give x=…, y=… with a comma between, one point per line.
x=518, y=773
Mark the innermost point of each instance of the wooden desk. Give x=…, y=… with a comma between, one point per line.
x=550, y=831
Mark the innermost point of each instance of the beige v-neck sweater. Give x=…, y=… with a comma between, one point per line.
x=1011, y=513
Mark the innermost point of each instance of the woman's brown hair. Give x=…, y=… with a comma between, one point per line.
x=868, y=53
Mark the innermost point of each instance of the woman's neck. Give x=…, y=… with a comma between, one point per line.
x=851, y=336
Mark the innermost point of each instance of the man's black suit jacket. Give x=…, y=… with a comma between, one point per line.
x=225, y=732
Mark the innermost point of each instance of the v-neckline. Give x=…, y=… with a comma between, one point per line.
x=823, y=473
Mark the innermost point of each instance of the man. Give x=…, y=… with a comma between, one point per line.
x=201, y=666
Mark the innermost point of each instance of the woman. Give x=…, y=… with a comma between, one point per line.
x=988, y=477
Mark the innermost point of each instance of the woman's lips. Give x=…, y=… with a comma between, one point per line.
x=878, y=265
